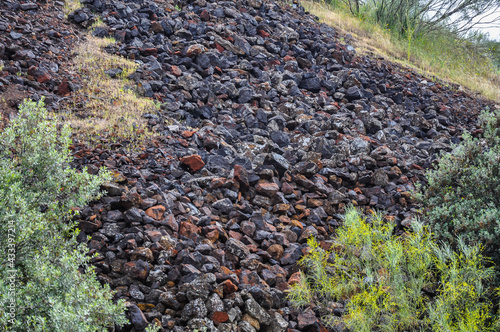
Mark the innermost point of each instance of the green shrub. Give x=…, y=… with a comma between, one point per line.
x=41, y=288
x=395, y=283
x=462, y=198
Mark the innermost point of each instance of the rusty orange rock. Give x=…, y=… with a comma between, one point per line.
x=241, y=175
x=276, y=251
x=220, y=317
x=193, y=161
x=156, y=212
x=267, y=188
x=187, y=229
x=294, y=278
x=188, y=133
x=176, y=70
x=229, y=287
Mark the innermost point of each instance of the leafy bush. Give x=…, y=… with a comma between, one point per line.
x=462, y=198
x=395, y=283
x=41, y=287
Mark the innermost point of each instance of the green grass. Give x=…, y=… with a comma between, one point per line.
x=70, y=6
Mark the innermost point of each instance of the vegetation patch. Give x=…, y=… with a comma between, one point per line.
x=462, y=198
x=46, y=282
x=70, y=6
x=386, y=282
x=440, y=53
x=109, y=109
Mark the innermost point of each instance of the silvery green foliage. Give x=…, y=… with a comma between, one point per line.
x=38, y=194
x=463, y=194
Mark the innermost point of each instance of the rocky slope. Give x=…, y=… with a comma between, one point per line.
x=269, y=127
x=35, y=42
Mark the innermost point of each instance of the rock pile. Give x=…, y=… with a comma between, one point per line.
x=277, y=127
x=35, y=42
x=269, y=127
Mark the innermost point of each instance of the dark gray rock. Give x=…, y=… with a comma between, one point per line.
x=223, y=205
x=256, y=311
x=136, y=317
x=194, y=309
x=354, y=93
x=312, y=84
x=237, y=248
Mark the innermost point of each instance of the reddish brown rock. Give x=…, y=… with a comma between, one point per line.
x=156, y=212
x=212, y=236
x=154, y=236
x=205, y=16
x=150, y=51
x=188, y=230
x=276, y=251
x=90, y=226
x=188, y=133
x=241, y=175
x=170, y=221
x=254, y=322
x=194, y=162
x=220, y=317
x=176, y=70
x=63, y=89
x=137, y=269
x=195, y=50
x=306, y=318
x=294, y=278
x=229, y=287
x=156, y=27
x=267, y=188
x=287, y=188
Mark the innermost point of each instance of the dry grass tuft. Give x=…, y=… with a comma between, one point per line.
x=70, y=6
x=368, y=38
x=107, y=108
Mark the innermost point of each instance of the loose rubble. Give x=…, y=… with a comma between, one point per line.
x=269, y=127
x=35, y=42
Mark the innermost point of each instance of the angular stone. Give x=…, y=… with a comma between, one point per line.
x=254, y=322
x=194, y=162
x=278, y=161
x=276, y=251
x=278, y=323
x=306, y=318
x=380, y=178
x=237, y=248
x=223, y=205
x=245, y=95
x=142, y=253
x=228, y=287
x=137, y=269
x=156, y=212
x=133, y=215
x=219, y=317
x=29, y=6
x=255, y=310
x=312, y=84
x=267, y=188
x=280, y=138
x=241, y=175
x=245, y=326
x=354, y=93
x=194, y=309
x=195, y=50
x=136, y=317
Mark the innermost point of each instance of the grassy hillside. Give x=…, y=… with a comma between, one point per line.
x=440, y=54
